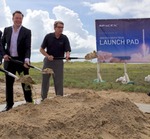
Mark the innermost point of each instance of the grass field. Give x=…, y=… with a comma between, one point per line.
x=83, y=74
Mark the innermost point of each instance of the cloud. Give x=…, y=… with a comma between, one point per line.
x=41, y=23
x=121, y=8
x=71, y=20
x=81, y=41
x=104, y=7
x=5, y=15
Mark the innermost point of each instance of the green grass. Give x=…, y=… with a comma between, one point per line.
x=82, y=75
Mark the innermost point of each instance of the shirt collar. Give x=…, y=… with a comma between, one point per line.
x=55, y=37
x=17, y=29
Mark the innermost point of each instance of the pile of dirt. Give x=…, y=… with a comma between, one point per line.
x=26, y=79
x=85, y=115
x=2, y=80
x=91, y=55
x=48, y=71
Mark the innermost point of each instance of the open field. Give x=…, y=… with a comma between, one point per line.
x=82, y=75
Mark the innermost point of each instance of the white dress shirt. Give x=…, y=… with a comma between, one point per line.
x=13, y=43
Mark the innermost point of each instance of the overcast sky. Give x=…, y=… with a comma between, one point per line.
x=78, y=15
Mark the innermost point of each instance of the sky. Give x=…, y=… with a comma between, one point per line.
x=78, y=16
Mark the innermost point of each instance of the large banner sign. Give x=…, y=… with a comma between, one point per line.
x=123, y=40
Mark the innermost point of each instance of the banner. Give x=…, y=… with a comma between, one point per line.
x=123, y=40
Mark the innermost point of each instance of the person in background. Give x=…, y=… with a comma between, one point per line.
x=1, y=48
x=0, y=33
x=54, y=45
x=16, y=42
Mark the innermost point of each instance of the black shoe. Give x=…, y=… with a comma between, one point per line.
x=42, y=100
x=7, y=108
x=148, y=94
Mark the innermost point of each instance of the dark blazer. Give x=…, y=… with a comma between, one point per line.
x=0, y=34
x=23, y=42
x=1, y=48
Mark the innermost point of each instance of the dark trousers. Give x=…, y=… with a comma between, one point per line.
x=13, y=68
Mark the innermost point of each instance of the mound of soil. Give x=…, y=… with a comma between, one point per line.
x=80, y=115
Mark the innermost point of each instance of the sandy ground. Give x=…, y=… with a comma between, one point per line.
x=80, y=114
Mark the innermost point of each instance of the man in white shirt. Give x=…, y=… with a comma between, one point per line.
x=16, y=42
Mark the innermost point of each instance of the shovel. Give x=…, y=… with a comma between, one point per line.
x=21, y=63
x=88, y=56
x=9, y=73
x=59, y=58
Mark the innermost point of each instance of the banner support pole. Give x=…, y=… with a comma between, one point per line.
x=127, y=80
x=99, y=77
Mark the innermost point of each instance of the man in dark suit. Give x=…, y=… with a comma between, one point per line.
x=16, y=42
x=0, y=48
x=0, y=34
